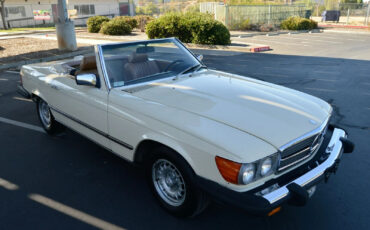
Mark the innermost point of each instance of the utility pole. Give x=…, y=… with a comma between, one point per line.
x=65, y=28
x=367, y=14
x=3, y=14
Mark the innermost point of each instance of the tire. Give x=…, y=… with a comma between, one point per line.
x=166, y=170
x=47, y=120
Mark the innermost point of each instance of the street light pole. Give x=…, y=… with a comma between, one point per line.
x=65, y=28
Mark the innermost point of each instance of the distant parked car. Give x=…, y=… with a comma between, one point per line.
x=199, y=133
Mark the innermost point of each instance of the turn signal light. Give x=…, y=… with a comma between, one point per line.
x=228, y=169
x=274, y=211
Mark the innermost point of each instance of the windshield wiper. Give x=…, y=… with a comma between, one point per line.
x=195, y=67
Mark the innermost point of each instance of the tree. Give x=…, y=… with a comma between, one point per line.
x=3, y=14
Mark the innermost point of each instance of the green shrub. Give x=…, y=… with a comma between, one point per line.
x=129, y=20
x=94, y=23
x=210, y=32
x=298, y=23
x=169, y=25
x=142, y=21
x=149, y=9
x=266, y=28
x=116, y=26
x=243, y=25
x=190, y=27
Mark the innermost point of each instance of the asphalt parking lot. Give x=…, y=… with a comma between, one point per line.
x=68, y=182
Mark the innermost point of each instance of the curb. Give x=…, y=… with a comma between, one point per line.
x=345, y=26
x=46, y=59
x=346, y=32
x=259, y=49
x=279, y=32
x=218, y=47
x=34, y=32
x=26, y=33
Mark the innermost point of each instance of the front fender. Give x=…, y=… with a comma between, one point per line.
x=171, y=143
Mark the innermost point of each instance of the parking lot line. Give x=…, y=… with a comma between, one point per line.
x=330, y=80
x=14, y=72
x=282, y=43
x=324, y=90
x=309, y=39
x=336, y=37
x=69, y=211
x=8, y=185
x=3, y=79
x=21, y=124
x=22, y=99
x=270, y=75
x=326, y=72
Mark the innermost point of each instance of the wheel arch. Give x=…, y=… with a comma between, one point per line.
x=36, y=94
x=143, y=149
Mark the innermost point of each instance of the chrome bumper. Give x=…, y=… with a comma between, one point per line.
x=334, y=148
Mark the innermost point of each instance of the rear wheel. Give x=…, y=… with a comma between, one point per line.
x=50, y=125
x=172, y=182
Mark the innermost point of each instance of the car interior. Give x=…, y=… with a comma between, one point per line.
x=124, y=67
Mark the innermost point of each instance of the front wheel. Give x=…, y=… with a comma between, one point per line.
x=171, y=181
x=50, y=125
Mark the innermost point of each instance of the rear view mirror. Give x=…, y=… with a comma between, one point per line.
x=86, y=79
x=145, y=49
x=200, y=57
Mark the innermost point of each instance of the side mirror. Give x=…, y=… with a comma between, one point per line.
x=86, y=79
x=200, y=57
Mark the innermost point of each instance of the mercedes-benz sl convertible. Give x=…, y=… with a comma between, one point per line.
x=200, y=134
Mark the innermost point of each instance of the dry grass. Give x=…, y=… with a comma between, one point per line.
x=20, y=49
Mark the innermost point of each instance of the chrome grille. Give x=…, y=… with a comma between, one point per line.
x=298, y=147
x=300, y=151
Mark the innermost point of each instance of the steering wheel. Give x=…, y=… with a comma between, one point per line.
x=172, y=64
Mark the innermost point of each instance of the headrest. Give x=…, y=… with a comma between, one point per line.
x=135, y=57
x=88, y=63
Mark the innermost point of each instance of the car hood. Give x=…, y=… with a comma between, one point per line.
x=270, y=112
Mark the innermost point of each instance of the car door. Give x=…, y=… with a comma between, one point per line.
x=81, y=107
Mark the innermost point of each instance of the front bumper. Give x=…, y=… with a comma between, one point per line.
x=293, y=191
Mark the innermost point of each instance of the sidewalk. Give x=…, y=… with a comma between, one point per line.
x=29, y=31
x=94, y=39
x=40, y=51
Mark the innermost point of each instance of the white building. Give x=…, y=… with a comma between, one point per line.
x=20, y=12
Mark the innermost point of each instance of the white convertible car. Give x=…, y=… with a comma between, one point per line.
x=200, y=134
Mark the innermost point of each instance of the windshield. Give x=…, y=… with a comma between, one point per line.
x=139, y=62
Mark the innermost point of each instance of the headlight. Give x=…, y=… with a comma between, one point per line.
x=247, y=172
x=266, y=166
x=238, y=173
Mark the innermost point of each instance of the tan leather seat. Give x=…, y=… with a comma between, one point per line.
x=88, y=65
x=139, y=66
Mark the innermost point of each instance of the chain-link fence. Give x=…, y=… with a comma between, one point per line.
x=349, y=13
x=156, y=9
x=235, y=15
x=23, y=15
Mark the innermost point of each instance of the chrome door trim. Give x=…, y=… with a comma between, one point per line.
x=103, y=68
x=106, y=135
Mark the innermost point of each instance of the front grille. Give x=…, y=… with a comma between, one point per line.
x=298, y=147
x=299, y=151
